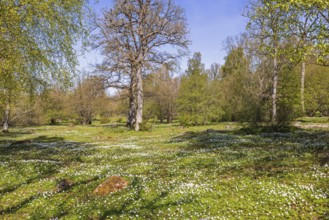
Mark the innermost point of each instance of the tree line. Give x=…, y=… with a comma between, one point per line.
x=274, y=72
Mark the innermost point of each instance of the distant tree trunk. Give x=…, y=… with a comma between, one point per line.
x=274, y=90
x=139, y=99
x=169, y=114
x=52, y=121
x=302, y=87
x=169, y=119
x=6, y=116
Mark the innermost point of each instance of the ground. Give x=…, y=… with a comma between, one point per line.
x=224, y=171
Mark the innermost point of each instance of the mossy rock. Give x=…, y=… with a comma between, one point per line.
x=110, y=185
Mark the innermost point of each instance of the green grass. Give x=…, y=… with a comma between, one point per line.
x=314, y=119
x=224, y=171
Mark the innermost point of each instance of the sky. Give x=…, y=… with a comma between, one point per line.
x=210, y=22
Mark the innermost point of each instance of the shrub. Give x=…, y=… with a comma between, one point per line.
x=105, y=120
x=317, y=114
x=145, y=126
x=185, y=120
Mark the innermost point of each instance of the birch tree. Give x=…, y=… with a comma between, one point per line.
x=37, y=40
x=137, y=36
x=268, y=23
x=309, y=25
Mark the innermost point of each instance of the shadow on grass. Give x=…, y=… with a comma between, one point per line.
x=149, y=205
x=41, y=147
x=16, y=207
x=259, y=151
x=13, y=134
x=32, y=160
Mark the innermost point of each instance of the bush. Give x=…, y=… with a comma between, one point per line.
x=105, y=120
x=317, y=114
x=185, y=120
x=145, y=126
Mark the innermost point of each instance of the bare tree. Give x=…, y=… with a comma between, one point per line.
x=214, y=71
x=136, y=36
x=86, y=100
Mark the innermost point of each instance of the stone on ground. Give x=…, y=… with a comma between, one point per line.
x=110, y=185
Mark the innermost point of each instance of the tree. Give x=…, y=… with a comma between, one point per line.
x=317, y=90
x=268, y=23
x=192, y=93
x=87, y=99
x=134, y=36
x=235, y=84
x=162, y=90
x=321, y=6
x=305, y=30
x=214, y=71
x=308, y=25
x=289, y=105
x=53, y=104
x=37, y=41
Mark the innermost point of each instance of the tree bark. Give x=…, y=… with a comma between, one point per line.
x=5, y=127
x=274, y=90
x=132, y=105
x=302, y=87
x=139, y=99
x=132, y=112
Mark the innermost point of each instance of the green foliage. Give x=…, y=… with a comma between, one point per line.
x=317, y=114
x=145, y=126
x=242, y=96
x=41, y=36
x=37, y=40
x=161, y=91
x=53, y=103
x=317, y=90
x=196, y=101
x=88, y=99
x=289, y=106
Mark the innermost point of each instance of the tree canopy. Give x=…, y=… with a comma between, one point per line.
x=37, y=40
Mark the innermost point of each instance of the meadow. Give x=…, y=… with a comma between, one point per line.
x=224, y=171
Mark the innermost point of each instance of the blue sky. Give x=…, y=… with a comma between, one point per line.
x=210, y=22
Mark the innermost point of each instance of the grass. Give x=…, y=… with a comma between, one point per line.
x=314, y=119
x=225, y=171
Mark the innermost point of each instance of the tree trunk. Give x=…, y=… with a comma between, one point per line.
x=132, y=105
x=139, y=99
x=52, y=121
x=6, y=117
x=274, y=90
x=302, y=87
x=169, y=119
x=132, y=112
